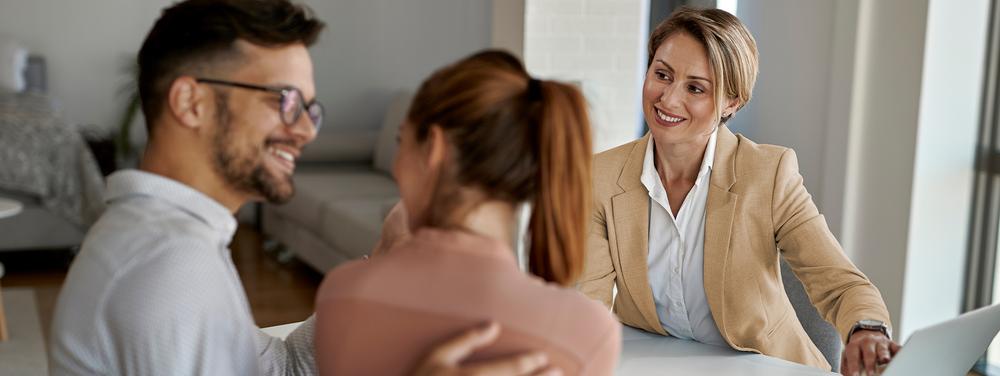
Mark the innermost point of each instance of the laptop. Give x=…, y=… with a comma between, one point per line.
x=948, y=348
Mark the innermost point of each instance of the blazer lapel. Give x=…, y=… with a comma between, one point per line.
x=720, y=209
x=631, y=217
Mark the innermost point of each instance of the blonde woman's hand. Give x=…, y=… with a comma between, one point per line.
x=866, y=353
x=446, y=359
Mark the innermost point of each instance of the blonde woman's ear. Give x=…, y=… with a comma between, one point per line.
x=731, y=107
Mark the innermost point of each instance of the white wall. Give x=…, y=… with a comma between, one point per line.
x=88, y=46
x=838, y=114
x=373, y=48
x=599, y=44
x=508, y=26
x=369, y=50
x=791, y=100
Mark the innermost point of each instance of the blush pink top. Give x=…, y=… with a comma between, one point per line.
x=381, y=316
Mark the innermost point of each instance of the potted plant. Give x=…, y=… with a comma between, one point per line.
x=126, y=154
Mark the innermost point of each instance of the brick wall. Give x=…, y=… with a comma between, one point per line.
x=599, y=45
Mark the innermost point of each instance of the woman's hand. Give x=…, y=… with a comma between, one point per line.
x=446, y=359
x=395, y=229
x=866, y=352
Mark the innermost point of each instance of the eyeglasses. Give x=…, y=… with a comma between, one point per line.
x=292, y=101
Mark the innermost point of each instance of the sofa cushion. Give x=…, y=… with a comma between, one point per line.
x=314, y=188
x=385, y=147
x=305, y=243
x=354, y=226
x=341, y=145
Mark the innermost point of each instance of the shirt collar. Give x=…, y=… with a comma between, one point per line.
x=140, y=183
x=650, y=178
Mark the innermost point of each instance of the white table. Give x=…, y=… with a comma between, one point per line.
x=651, y=354
x=281, y=331
x=9, y=208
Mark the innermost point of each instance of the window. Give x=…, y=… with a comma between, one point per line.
x=982, y=282
x=727, y=5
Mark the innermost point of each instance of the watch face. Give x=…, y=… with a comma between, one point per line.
x=871, y=323
x=874, y=325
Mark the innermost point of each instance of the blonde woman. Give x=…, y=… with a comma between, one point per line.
x=690, y=221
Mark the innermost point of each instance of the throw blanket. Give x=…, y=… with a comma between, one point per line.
x=43, y=156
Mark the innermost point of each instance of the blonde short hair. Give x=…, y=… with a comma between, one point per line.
x=732, y=51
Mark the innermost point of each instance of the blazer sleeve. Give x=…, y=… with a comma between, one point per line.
x=841, y=293
x=598, y=276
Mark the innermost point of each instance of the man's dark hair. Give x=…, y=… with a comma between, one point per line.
x=192, y=34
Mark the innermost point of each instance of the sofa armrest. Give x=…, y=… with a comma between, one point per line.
x=341, y=145
x=388, y=144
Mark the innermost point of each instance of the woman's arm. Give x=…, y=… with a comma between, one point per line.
x=840, y=292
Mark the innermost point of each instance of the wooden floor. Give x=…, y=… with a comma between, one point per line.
x=279, y=293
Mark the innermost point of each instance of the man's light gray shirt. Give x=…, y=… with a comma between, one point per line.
x=154, y=292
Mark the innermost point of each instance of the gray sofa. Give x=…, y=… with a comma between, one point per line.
x=343, y=191
x=38, y=226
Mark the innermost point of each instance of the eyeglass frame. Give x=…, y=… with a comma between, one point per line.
x=284, y=92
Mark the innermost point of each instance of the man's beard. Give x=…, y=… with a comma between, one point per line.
x=244, y=169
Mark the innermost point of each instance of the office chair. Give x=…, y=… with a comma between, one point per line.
x=823, y=334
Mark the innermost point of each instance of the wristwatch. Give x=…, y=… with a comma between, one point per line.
x=871, y=325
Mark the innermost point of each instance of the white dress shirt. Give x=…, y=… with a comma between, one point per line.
x=154, y=292
x=677, y=254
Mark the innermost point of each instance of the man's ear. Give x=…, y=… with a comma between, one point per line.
x=188, y=102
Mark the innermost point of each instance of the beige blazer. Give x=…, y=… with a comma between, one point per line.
x=757, y=209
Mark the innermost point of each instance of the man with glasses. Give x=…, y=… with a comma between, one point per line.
x=228, y=95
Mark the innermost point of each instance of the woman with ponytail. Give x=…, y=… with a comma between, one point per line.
x=481, y=138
